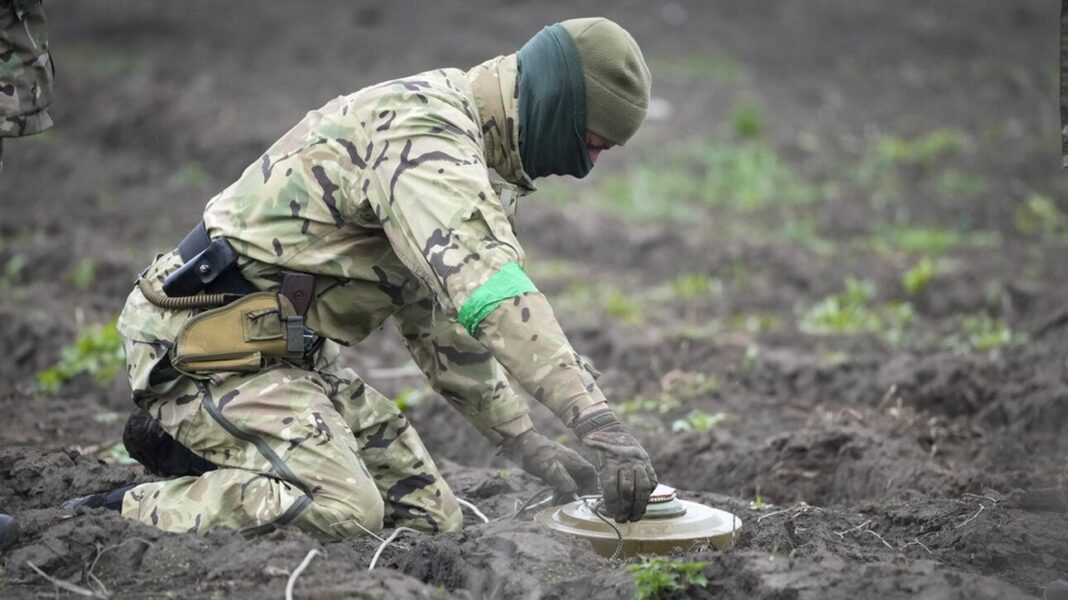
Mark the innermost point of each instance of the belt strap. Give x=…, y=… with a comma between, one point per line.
x=210, y=266
x=194, y=242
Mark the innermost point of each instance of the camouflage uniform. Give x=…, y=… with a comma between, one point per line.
x=385, y=195
x=25, y=70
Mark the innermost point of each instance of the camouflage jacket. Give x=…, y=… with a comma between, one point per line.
x=386, y=196
x=25, y=69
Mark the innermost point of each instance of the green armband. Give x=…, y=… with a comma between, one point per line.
x=510, y=281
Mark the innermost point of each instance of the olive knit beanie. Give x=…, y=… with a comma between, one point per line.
x=617, y=79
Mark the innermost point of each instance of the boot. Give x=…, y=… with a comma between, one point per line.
x=110, y=500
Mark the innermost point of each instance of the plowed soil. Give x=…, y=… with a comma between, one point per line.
x=861, y=466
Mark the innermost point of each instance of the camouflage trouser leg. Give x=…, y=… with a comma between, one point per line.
x=414, y=492
x=286, y=455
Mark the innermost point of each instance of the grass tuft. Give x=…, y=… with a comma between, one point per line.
x=660, y=577
x=96, y=352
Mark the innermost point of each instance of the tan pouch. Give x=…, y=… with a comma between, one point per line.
x=238, y=336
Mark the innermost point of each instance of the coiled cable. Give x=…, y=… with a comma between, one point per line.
x=182, y=302
x=596, y=510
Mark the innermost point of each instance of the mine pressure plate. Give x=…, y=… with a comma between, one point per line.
x=669, y=524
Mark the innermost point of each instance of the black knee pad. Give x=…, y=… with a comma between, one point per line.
x=149, y=444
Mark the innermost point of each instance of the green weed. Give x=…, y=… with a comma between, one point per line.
x=675, y=387
x=748, y=177
x=880, y=170
x=846, y=312
x=802, y=231
x=981, y=332
x=698, y=420
x=741, y=177
x=916, y=279
x=83, y=275
x=694, y=285
x=747, y=120
x=758, y=503
x=851, y=312
x=756, y=322
x=930, y=240
x=954, y=186
x=706, y=330
x=923, y=151
x=191, y=175
x=659, y=405
x=660, y=577
x=620, y=306
x=411, y=397
x=108, y=417
x=1040, y=216
x=751, y=356
x=895, y=319
x=604, y=299
x=13, y=269
x=96, y=352
x=683, y=385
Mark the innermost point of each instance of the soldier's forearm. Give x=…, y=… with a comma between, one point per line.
x=525, y=337
x=463, y=372
x=507, y=418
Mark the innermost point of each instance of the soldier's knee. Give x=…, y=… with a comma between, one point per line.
x=336, y=519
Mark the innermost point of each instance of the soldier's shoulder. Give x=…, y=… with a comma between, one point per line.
x=430, y=90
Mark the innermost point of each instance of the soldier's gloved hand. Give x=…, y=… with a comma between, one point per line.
x=560, y=467
x=626, y=475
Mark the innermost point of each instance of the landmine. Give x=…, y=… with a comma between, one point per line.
x=669, y=524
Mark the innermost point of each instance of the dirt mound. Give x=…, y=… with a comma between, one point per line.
x=952, y=385
x=512, y=559
x=825, y=464
x=37, y=479
x=752, y=575
x=102, y=551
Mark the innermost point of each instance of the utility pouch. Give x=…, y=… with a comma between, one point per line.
x=238, y=336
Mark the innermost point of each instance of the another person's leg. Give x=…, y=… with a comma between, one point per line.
x=285, y=456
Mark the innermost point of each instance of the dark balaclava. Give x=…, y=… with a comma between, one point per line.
x=579, y=75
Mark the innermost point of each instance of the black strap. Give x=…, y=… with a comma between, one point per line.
x=194, y=242
x=210, y=266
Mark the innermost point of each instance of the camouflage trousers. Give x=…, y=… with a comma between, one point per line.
x=317, y=449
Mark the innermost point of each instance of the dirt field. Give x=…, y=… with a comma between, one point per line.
x=901, y=435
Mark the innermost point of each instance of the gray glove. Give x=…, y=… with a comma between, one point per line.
x=627, y=478
x=560, y=467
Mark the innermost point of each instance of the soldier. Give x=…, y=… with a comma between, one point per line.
x=395, y=201
x=25, y=71
x=25, y=93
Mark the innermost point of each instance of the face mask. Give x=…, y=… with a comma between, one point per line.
x=552, y=106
